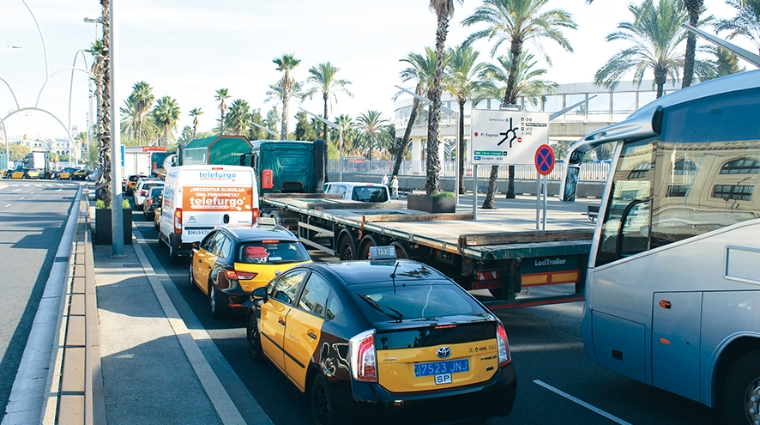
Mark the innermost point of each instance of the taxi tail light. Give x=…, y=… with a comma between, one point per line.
x=178, y=221
x=236, y=275
x=362, y=358
x=503, y=344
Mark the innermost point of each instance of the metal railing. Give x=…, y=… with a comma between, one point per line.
x=590, y=171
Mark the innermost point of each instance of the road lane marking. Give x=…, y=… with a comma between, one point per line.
x=8, y=205
x=581, y=402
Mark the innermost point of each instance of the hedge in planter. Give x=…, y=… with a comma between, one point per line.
x=103, y=224
x=441, y=202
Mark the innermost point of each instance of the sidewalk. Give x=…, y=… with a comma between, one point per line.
x=126, y=356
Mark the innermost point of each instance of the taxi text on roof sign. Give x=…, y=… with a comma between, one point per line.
x=506, y=137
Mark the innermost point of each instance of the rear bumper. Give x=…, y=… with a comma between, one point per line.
x=493, y=398
x=236, y=299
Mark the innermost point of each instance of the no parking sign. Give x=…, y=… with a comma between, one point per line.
x=544, y=160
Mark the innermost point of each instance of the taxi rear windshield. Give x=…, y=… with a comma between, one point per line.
x=275, y=252
x=408, y=302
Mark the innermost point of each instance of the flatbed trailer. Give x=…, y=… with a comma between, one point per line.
x=503, y=256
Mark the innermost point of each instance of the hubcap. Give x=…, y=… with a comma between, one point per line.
x=752, y=402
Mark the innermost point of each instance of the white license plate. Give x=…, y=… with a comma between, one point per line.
x=443, y=379
x=197, y=232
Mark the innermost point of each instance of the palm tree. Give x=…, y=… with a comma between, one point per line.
x=444, y=10
x=516, y=21
x=195, y=113
x=278, y=92
x=323, y=78
x=460, y=82
x=239, y=116
x=104, y=115
x=371, y=125
x=421, y=70
x=746, y=23
x=142, y=95
x=349, y=131
x=166, y=114
x=286, y=64
x=655, y=35
x=221, y=96
x=134, y=128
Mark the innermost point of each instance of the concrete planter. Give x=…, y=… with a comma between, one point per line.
x=431, y=204
x=103, y=227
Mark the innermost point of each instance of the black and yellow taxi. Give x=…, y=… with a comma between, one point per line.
x=230, y=262
x=383, y=339
x=79, y=174
x=66, y=174
x=131, y=183
x=23, y=173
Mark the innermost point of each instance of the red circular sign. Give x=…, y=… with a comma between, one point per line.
x=544, y=159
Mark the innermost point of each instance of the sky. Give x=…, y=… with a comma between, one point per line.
x=188, y=49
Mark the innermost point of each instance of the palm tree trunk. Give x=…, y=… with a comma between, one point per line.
x=401, y=148
x=433, y=183
x=460, y=154
x=488, y=203
x=660, y=78
x=694, y=7
x=325, y=135
x=285, y=112
x=105, y=136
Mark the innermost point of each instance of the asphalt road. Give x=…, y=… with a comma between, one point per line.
x=32, y=219
x=557, y=383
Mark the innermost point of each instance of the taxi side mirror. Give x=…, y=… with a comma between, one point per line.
x=259, y=294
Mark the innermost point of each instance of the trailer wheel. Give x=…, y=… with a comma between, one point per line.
x=367, y=242
x=346, y=247
x=402, y=251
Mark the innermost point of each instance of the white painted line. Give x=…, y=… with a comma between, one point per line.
x=8, y=205
x=22, y=197
x=581, y=402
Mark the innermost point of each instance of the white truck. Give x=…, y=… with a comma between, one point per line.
x=136, y=160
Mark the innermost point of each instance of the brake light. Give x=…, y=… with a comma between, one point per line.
x=503, y=344
x=178, y=221
x=361, y=352
x=235, y=275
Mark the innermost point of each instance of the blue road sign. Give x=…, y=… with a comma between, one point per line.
x=544, y=159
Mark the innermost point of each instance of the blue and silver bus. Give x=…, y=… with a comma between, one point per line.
x=673, y=282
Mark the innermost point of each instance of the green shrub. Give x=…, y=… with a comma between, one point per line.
x=100, y=204
x=442, y=195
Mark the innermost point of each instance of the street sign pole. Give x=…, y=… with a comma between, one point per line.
x=544, y=160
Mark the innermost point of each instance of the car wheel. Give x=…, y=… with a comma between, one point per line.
x=173, y=255
x=254, y=340
x=190, y=276
x=322, y=404
x=741, y=394
x=346, y=248
x=213, y=304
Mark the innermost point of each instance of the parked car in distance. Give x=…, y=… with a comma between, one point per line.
x=230, y=262
x=141, y=190
x=131, y=183
x=157, y=213
x=66, y=174
x=358, y=191
x=383, y=338
x=79, y=174
x=152, y=201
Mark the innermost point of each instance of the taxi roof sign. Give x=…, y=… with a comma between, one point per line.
x=382, y=253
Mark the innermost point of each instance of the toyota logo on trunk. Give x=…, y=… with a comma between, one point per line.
x=444, y=352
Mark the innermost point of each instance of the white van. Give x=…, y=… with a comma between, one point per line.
x=198, y=198
x=359, y=191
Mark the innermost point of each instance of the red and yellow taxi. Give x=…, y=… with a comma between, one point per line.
x=230, y=262
x=384, y=338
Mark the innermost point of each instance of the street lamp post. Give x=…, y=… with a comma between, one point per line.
x=340, y=139
x=261, y=127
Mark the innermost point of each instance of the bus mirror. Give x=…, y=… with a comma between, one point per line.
x=569, y=183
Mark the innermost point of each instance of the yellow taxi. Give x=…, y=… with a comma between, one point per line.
x=230, y=262
x=385, y=339
x=79, y=174
x=22, y=174
x=66, y=174
x=131, y=183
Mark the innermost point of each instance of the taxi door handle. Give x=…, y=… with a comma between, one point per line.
x=311, y=335
x=281, y=321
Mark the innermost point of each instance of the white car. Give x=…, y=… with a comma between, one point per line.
x=142, y=189
x=359, y=191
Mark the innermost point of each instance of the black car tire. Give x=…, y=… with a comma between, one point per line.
x=216, y=310
x=322, y=405
x=254, y=340
x=346, y=248
x=742, y=385
x=173, y=255
x=190, y=277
